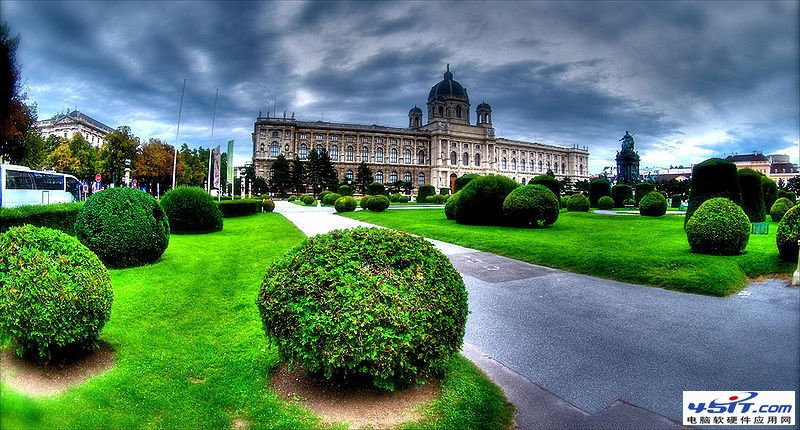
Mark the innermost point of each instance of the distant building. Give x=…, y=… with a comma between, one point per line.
x=436, y=152
x=776, y=167
x=66, y=125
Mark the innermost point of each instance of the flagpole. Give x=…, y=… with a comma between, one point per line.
x=177, y=133
x=211, y=145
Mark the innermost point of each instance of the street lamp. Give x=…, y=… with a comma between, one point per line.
x=127, y=178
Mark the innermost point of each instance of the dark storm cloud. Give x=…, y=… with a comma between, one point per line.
x=696, y=78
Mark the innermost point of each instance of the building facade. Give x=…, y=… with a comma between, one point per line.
x=435, y=152
x=66, y=125
x=776, y=167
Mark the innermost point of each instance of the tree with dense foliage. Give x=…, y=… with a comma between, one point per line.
x=153, y=164
x=192, y=166
x=299, y=176
x=281, y=180
x=752, y=195
x=321, y=173
x=363, y=177
x=118, y=146
x=714, y=177
x=75, y=156
x=770, y=190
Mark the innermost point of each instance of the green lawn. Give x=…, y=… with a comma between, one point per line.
x=643, y=250
x=190, y=351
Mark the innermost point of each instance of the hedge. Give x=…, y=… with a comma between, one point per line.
x=58, y=216
x=620, y=193
x=234, y=208
x=642, y=189
x=598, y=188
x=191, y=210
x=463, y=180
x=714, y=177
x=481, y=200
x=752, y=195
x=424, y=192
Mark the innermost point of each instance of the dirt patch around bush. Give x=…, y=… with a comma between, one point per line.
x=362, y=406
x=38, y=380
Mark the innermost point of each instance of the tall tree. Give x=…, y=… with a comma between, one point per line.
x=299, y=176
x=321, y=173
x=363, y=177
x=119, y=145
x=153, y=164
x=19, y=142
x=281, y=180
x=75, y=156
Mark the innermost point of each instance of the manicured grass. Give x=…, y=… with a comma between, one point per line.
x=643, y=250
x=190, y=350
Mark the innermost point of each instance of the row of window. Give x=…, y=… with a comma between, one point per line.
x=349, y=138
x=464, y=159
x=348, y=174
x=349, y=153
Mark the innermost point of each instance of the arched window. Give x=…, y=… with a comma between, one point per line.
x=320, y=149
x=379, y=176
x=540, y=166
x=393, y=155
x=379, y=154
x=421, y=179
x=522, y=164
x=563, y=169
x=555, y=168
x=274, y=147
x=348, y=153
x=421, y=157
x=580, y=169
x=548, y=165
x=393, y=177
x=407, y=177
x=523, y=181
x=348, y=175
x=513, y=164
x=334, y=152
x=477, y=160
x=458, y=111
x=533, y=166
x=465, y=159
x=441, y=111
x=407, y=156
x=364, y=154
x=303, y=153
x=504, y=163
x=453, y=156
x=262, y=146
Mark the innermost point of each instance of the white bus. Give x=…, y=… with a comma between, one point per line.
x=20, y=185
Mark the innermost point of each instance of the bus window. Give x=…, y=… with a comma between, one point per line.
x=19, y=180
x=44, y=181
x=74, y=188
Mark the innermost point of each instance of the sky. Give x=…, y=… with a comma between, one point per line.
x=689, y=80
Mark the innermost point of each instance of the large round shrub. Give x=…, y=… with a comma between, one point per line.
x=267, y=205
x=451, y=206
x=345, y=204
x=620, y=193
x=481, y=200
x=779, y=208
x=124, y=226
x=308, y=200
x=291, y=198
x=605, y=202
x=642, y=189
x=598, y=188
x=787, y=195
x=653, y=204
x=330, y=198
x=548, y=181
x=378, y=203
x=364, y=203
x=531, y=205
x=396, y=198
x=752, y=195
x=376, y=188
x=788, y=233
x=321, y=196
x=714, y=177
x=719, y=226
x=191, y=210
x=345, y=190
x=424, y=192
x=463, y=180
x=371, y=303
x=55, y=294
x=578, y=203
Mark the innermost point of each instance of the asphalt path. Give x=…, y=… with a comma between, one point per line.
x=574, y=351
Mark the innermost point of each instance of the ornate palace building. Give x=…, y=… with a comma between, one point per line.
x=66, y=125
x=436, y=152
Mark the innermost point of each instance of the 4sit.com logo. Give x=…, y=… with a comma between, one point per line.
x=739, y=408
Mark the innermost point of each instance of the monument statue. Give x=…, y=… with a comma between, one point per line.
x=627, y=162
x=627, y=142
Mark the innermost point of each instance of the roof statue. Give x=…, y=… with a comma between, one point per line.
x=627, y=143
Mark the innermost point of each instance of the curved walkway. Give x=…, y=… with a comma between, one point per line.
x=574, y=351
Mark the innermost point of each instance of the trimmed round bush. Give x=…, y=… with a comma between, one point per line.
x=578, y=203
x=267, y=205
x=779, y=208
x=291, y=198
x=714, y=177
x=365, y=303
x=451, y=206
x=788, y=233
x=429, y=199
x=345, y=204
x=125, y=227
x=424, y=192
x=378, y=203
x=787, y=195
x=620, y=193
x=345, y=190
x=629, y=202
x=752, y=195
x=531, y=206
x=308, y=200
x=653, y=204
x=376, y=188
x=55, y=294
x=481, y=201
x=719, y=227
x=563, y=202
x=396, y=198
x=605, y=202
x=364, y=203
x=598, y=188
x=191, y=210
x=642, y=189
x=330, y=198
x=404, y=199
x=463, y=180
x=548, y=181
x=322, y=195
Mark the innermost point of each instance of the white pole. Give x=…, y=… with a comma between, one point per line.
x=177, y=133
x=211, y=145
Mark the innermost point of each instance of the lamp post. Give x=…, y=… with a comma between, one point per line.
x=127, y=177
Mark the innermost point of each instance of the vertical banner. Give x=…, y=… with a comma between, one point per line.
x=216, y=168
x=230, y=165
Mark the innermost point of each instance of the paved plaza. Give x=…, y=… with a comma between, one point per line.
x=575, y=351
